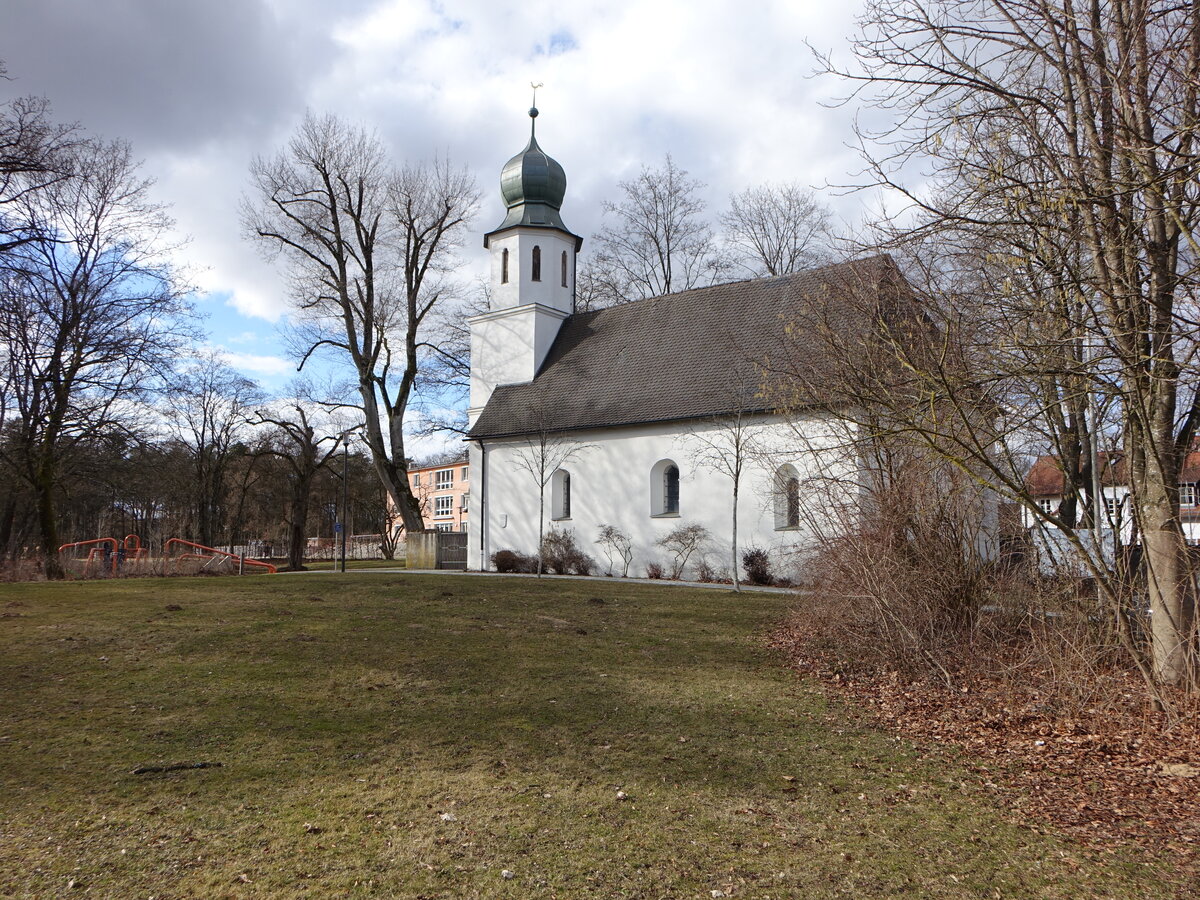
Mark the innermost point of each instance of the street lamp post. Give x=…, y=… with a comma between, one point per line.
x=346, y=486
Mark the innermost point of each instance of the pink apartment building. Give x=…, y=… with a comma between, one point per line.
x=442, y=491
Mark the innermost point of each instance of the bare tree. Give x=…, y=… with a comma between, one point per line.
x=368, y=249
x=777, y=229
x=658, y=241
x=210, y=415
x=305, y=450
x=389, y=530
x=542, y=454
x=33, y=155
x=245, y=472
x=616, y=545
x=681, y=542
x=1068, y=125
x=724, y=445
x=90, y=315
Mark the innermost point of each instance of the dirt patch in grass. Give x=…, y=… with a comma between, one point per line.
x=1110, y=777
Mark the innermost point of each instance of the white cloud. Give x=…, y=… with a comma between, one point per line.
x=201, y=86
x=274, y=366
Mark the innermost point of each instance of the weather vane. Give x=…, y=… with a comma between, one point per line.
x=535, y=89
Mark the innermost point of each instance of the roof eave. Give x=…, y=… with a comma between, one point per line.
x=473, y=435
x=504, y=229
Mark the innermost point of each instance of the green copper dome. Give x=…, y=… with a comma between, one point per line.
x=533, y=186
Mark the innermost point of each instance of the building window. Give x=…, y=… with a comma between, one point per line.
x=1112, y=506
x=536, y=267
x=504, y=266
x=560, y=495
x=787, y=498
x=671, y=490
x=445, y=526
x=444, y=479
x=564, y=268
x=463, y=508
x=443, y=506
x=1187, y=495
x=417, y=480
x=1048, y=505
x=664, y=488
x=462, y=527
x=465, y=470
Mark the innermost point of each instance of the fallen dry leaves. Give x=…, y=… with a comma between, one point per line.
x=1110, y=776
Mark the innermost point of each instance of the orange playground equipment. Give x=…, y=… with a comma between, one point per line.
x=108, y=556
x=210, y=559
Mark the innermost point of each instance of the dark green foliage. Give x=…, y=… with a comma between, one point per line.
x=511, y=562
x=757, y=565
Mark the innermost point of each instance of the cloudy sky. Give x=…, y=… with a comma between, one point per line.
x=201, y=86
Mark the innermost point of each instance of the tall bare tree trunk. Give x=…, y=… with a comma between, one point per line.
x=737, y=585
x=297, y=539
x=1165, y=559
x=43, y=488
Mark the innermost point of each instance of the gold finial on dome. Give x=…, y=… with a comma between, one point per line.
x=533, y=110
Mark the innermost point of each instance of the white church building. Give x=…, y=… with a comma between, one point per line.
x=622, y=408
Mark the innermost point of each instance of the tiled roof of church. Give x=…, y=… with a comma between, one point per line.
x=687, y=355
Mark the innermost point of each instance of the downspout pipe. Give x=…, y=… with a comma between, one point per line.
x=482, y=505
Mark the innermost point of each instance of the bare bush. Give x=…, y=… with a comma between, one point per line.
x=903, y=561
x=561, y=554
x=514, y=562
x=681, y=543
x=616, y=545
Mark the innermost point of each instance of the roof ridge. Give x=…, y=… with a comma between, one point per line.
x=874, y=258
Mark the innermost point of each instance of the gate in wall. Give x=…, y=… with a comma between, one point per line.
x=452, y=550
x=436, y=550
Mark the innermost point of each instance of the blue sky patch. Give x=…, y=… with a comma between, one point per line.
x=560, y=42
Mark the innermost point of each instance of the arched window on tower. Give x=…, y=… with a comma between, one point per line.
x=564, y=268
x=536, y=268
x=787, y=498
x=504, y=266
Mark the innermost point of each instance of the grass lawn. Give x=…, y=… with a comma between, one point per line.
x=325, y=565
x=419, y=736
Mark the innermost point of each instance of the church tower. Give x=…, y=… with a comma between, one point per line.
x=533, y=275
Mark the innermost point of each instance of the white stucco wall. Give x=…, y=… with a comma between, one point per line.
x=521, y=289
x=611, y=484
x=1117, y=513
x=507, y=347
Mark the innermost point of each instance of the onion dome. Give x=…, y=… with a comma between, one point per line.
x=533, y=185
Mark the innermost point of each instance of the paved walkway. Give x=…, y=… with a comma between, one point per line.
x=663, y=581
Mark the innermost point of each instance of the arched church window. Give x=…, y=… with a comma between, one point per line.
x=560, y=495
x=564, y=268
x=664, y=488
x=787, y=498
x=504, y=266
x=671, y=490
x=537, y=264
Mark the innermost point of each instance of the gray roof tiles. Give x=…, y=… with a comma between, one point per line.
x=695, y=354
